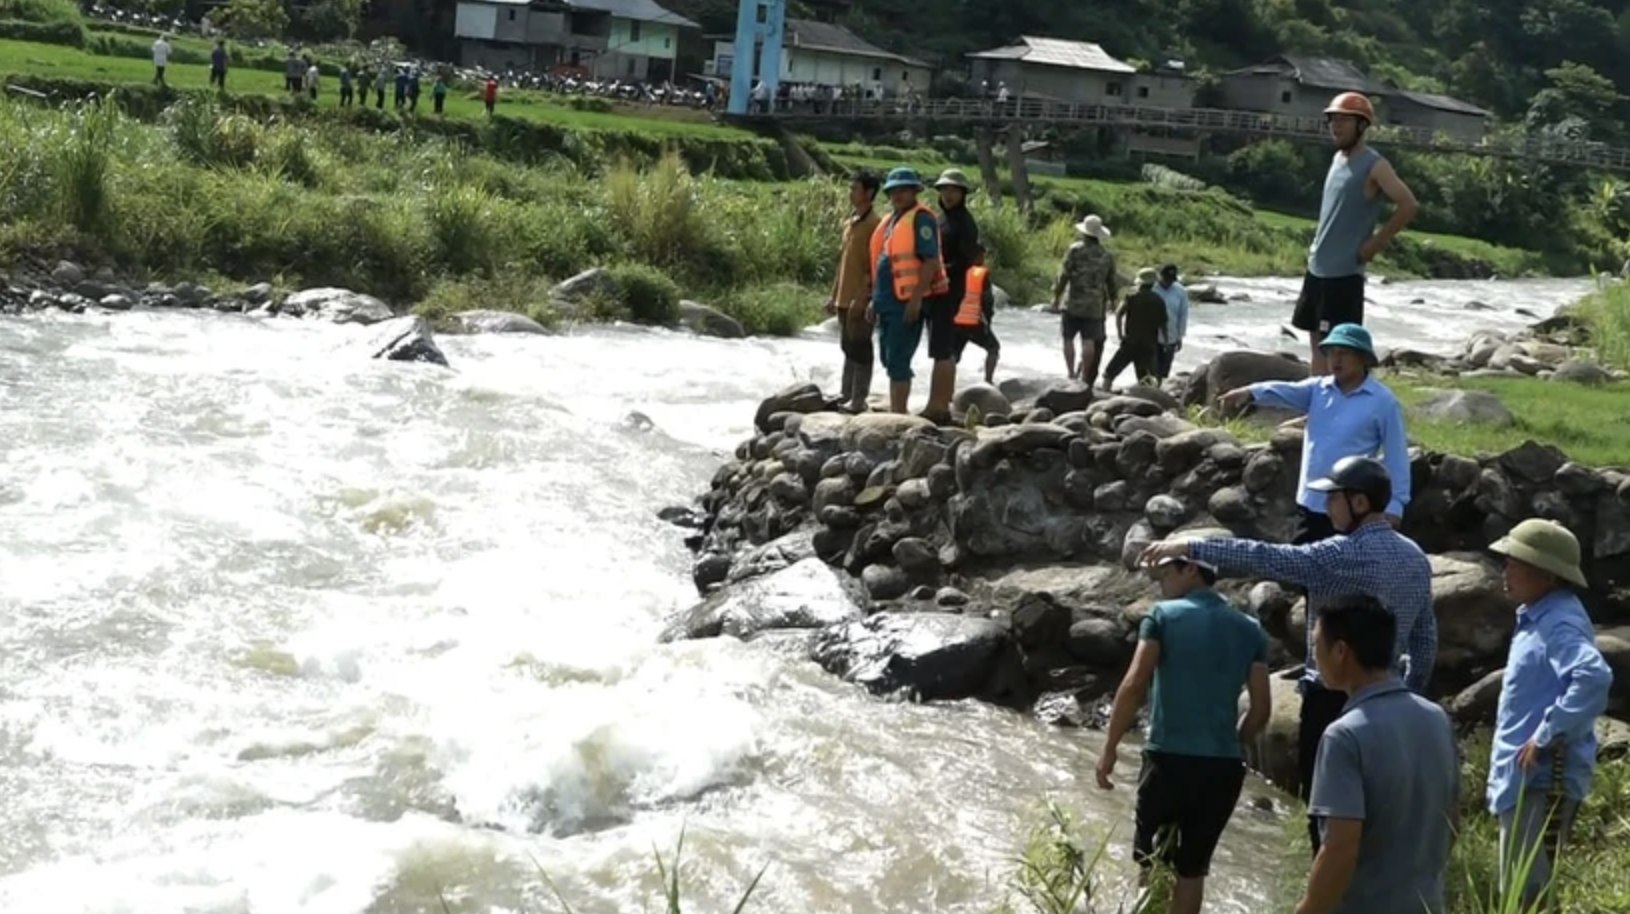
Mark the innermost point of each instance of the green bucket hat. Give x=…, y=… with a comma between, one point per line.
x=953, y=177
x=1546, y=545
x=901, y=177
x=1351, y=336
x=1147, y=276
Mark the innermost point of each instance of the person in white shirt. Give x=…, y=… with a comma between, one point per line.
x=1177, y=319
x=312, y=74
x=161, y=59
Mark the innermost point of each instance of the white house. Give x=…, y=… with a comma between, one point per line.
x=824, y=54
x=606, y=39
x=1077, y=72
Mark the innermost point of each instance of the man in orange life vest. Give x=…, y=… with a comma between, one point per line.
x=906, y=270
x=961, y=316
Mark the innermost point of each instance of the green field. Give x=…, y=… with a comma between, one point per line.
x=31, y=59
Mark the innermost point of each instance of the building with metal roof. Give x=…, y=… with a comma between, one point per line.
x=824, y=54
x=1078, y=72
x=636, y=40
x=1302, y=85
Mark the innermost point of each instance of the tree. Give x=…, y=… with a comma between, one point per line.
x=328, y=20
x=1578, y=101
x=252, y=18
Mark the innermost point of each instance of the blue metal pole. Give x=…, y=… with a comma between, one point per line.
x=750, y=33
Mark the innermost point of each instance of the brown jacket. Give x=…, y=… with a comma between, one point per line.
x=852, y=286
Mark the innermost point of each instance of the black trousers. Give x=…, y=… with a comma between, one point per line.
x=1320, y=708
x=1141, y=356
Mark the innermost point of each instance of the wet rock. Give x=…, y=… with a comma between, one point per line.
x=1065, y=397
x=1575, y=371
x=789, y=488
x=1274, y=754
x=1578, y=481
x=884, y=582
x=498, y=322
x=1533, y=462
x=932, y=656
x=837, y=491
x=68, y=274
x=712, y=568
x=1262, y=471
x=258, y=294
x=917, y=558
x=1476, y=406
x=783, y=552
x=1100, y=642
x=1112, y=496
x=881, y=432
x=987, y=399
x=406, y=339
x=1183, y=451
x=1458, y=473
x=950, y=597
x=1231, y=506
x=704, y=321
x=1136, y=456
x=117, y=302
x=808, y=594
x=594, y=283
x=797, y=398
x=341, y=306
x=941, y=482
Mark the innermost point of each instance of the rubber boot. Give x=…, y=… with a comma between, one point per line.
x=846, y=389
x=862, y=389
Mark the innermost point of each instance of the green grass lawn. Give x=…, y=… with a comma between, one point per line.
x=26, y=58
x=1589, y=424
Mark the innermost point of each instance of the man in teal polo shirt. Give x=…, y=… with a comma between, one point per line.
x=1198, y=652
x=901, y=278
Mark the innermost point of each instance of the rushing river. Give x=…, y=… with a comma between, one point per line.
x=283, y=629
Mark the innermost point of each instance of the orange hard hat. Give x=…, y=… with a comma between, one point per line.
x=1354, y=103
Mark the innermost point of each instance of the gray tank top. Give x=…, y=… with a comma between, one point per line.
x=1346, y=217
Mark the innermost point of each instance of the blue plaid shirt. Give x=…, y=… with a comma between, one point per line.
x=1374, y=560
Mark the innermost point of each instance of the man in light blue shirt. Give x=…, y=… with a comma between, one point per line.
x=1177, y=319
x=1555, y=686
x=1349, y=414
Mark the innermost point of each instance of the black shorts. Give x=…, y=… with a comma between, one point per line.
x=940, y=313
x=1326, y=303
x=1184, y=803
x=1091, y=328
x=980, y=335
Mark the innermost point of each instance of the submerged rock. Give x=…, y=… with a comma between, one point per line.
x=498, y=322
x=342, y=306
x=406, y=339
x=932, y=656
x=807, y=594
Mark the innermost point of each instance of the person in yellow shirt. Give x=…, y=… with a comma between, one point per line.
x=852, y=290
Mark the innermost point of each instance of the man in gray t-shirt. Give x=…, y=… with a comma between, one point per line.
x=1386, y=784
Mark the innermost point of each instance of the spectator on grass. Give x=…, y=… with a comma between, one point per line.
x=312, y=75
x=438, y=92
x=413, y=90
x=161, y=59
x=380, y=81
x=346, y=93
x=489, y=94
x=401, y=88
x=294, y=73
x=217, y=66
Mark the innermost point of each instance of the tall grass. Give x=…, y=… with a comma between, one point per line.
x=1607, y=311
x=81, y=169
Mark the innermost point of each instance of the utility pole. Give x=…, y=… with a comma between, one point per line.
x=759, y=27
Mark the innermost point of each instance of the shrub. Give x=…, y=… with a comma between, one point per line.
x=81, y=167
x=779, y=309
x=69, y=33
x=650, y=295
x=41, y=11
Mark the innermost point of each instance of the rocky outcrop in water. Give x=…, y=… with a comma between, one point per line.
x=997, y=562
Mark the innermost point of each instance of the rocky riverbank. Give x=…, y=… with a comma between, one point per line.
x=997, y=561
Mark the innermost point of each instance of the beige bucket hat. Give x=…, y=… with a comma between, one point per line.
x=1546, y=545
x=1093, y=227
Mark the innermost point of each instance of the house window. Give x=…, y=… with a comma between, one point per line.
x=630, y=66
x=667, y=43
x=877, y=74
x=1113, y=89
x=511, y=15
x=633, y=32
x=1284, y=97
x=1143, y=92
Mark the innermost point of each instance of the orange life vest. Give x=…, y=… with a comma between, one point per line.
x=904, y=264
x=972, y=309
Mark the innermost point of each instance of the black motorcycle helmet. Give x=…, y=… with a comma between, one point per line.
x=1364, y=475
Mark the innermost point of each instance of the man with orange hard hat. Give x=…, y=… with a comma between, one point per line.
x=1360, y=180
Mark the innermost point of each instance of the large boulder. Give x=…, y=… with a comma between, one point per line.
x=808, y=594
x=931, y=656
x=406, y=339
x=498, y=322
x=1236, y=369
x=1469, y=406
x=987, y=399
x=1474, y=615
x=803, y=397
x=342, y=306
x=1065, y=397
x=771, y=557
x=704, y=321
x=592, y=283
x=1274, y=754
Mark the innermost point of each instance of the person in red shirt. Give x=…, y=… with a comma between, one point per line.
x=489, y=94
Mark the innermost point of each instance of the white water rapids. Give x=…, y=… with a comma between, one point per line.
x=283, y=630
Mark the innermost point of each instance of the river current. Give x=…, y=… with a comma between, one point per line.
x=283, y=629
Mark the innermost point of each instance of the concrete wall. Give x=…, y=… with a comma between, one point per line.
x=476, y=20
x=1079, y=87
x=1400, y=112
x=654, y=39
x=546, y=28
x=1160, y=90
x=805, y=65
x=494, y=56
x=1275, y=95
